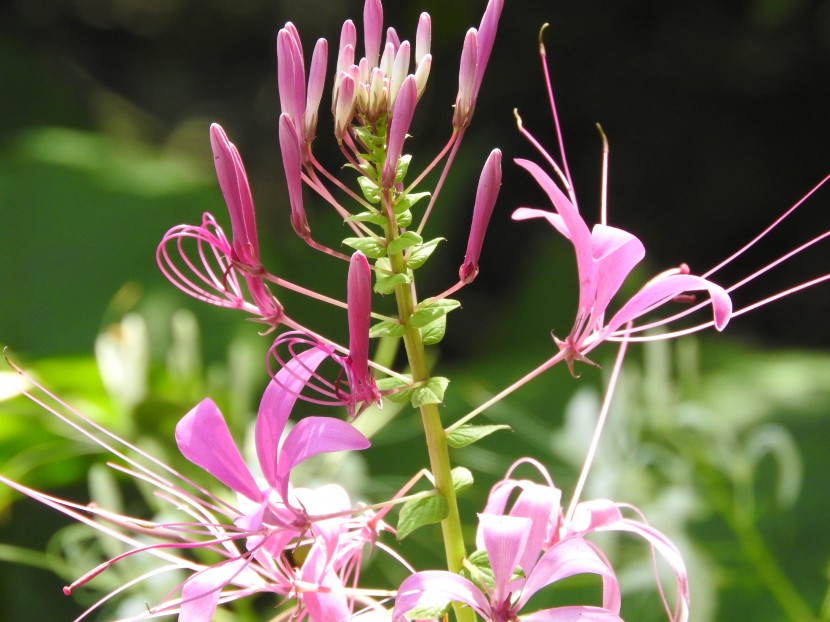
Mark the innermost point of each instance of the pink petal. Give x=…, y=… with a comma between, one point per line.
x=291, y=74
x=662, y=290
x=203, y=438
x=344, y=105
x=486, y=195
x=539, y=503
x=329, y=604
x=572, y=614
x=433, y=586
x=312, y=436
x=348, y=42
x=578, y=231
x=616, y=252
x=569, y=557
x=605, y=515
x=276, y=405
x=201, y=592
x=505, y=540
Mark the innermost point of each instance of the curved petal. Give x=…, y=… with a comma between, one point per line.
x=505, y=539
x=276, y=405
x=566, y=558
x=201, y=592
x=663, y=289
x=310, y=437
x=327, y=604
x=434, y=587
x=605, y=515
x=539, y=503
x=616, y=252
x=203, y=438
x=572, y=614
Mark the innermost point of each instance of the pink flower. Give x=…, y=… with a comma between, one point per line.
x=604, y=258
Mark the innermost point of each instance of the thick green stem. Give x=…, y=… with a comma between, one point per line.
x=436, y=439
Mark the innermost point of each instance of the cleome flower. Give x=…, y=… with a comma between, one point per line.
x=527, y=545
x=233, y=550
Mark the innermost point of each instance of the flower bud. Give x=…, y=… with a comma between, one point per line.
x=486, y=195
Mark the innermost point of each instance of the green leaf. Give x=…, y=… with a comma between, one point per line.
x=469, y=434
x=431, y=393
x=419, y=512
x=387, y=329
x=419, y=255
x=371, y=247
x=402, y=389
x=405, y=240
x=375, y=218
x=429, y=611
x=385, y=284
x=433, y=332
x=404, y=219
x=462, y=479
x=427, y=313
x=370, y=189
x=405, y=202
x=481, y=573
x=403, y=168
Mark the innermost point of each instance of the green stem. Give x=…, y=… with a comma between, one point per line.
x=439, y=458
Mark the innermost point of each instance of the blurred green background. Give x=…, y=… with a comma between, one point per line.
x=716, y=113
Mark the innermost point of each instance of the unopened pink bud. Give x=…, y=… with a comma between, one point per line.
x=316, y=84
x=401, y=120
x=388, y=58
x=422, y=73
x=372, y=30
x=465, y=100
x=234, y=184
x=393, y=38
x=344, y=106
x=291, y=73
x=486, y=195
x=399, y=71
x=423, y=37
x=486, y=38
x=292, y=163
x=348, y=43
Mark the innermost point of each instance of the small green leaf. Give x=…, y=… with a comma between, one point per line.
x=469, y=434
x=403, y=167
x=375, y=218
x=396, y=390
x=462, y=479
x=419, y=512
x=478, y=567
x=427, y=313
x=387, y=329
x=419, y=255
x=406, y=202
x=404, y=219
x=370, y=189
x=405, y=240
x=386, y=284
x=370, y=247
x=433, y=332
x=431, y=393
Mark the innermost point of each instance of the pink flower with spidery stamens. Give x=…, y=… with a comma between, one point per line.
x=358, y=389
x=523, y=527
